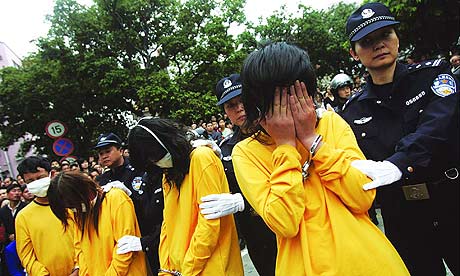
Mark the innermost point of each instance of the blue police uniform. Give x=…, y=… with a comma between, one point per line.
x=413, y=122
x=147, y=196
x=260, y=240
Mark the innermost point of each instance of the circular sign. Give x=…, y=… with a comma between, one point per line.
x=63, y=147
x=55, y=129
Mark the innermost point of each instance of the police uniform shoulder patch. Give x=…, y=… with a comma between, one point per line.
x=444, y=85
x=137, y=183
x=352, y=98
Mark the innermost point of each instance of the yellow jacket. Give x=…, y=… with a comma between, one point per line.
x=97, y=254
x=43, y=246
x=190, y=243
x=321, y=224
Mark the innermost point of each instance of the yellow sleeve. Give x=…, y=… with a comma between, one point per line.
x=210, y=180
x=278, y=195
x=332, y=162
x=163, y=250
x=25, y=248
x=78, y=259
x=126, y=220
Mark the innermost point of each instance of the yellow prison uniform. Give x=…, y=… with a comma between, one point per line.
x=97, y=253
x=43, y=246
x=321, y=224
x=190, y=243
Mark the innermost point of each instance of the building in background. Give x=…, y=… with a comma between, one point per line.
x=8, y=160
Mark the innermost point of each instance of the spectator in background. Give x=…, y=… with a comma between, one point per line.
x=65, y=165
x=7, y=181
x=27, y=196
x=223, y=129
x=9, y=212
x=455, y=63
x=212, y=133
x=94, y=173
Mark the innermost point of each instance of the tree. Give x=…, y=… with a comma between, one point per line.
x=119, y=57
x=428, y=28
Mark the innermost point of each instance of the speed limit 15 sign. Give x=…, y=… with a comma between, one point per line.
x=55, y=129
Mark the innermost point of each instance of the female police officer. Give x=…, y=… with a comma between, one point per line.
x=406, y=119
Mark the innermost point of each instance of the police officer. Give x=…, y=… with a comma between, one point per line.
x=145, y=191
x=341, y=86
x=260, y=240
x=406, y=121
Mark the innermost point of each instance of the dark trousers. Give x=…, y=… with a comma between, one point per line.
x=260, y=241
x=424, y=232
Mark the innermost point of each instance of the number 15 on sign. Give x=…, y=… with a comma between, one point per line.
x=55, y=129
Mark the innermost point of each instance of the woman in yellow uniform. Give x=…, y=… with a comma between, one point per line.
x=295, y=170
x=99, y=220
x=189, y=243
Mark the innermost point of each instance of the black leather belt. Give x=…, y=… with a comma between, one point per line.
x=420, y=191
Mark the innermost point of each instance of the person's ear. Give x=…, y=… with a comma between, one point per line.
x=353, y=54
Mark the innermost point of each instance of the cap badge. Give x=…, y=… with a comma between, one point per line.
x=366, y=13
x=227, y=83
x=103, y=138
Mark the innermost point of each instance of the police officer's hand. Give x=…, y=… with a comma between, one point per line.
x=128, y=244
x=278, y=121
x=304, y=113
x=220, y=205
x=116, y=184
x=382, y=172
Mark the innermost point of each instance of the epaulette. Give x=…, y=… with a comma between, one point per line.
x=353, y=97
x=426, y=64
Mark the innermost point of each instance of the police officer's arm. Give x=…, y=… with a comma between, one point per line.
x=414, y=151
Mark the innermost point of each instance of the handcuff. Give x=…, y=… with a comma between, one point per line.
x=172, y=272
x=313, y=148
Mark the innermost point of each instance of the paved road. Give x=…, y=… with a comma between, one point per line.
x=249, y=269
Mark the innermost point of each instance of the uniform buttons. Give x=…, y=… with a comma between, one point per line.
x=363, y=134
x=379, y=102
x=420, y=111
x=435, y=223
x=140, y=192
x=410, y=169
x=157, y=201
x=147, y=249
x=143, y=184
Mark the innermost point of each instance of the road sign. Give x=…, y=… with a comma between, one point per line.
x=63, y=147
x=55, y=129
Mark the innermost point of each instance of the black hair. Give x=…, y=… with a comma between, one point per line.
x=144, y=149
x=75, y=190
x=31, y=163
x=277, y=64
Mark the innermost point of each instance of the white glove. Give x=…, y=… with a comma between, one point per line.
x=128, y=244
x=220, y=205
x=209, y=143
x=381, y=172
x=116, y=184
